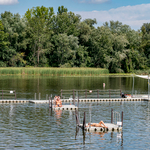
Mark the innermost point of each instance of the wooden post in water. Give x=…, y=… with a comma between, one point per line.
x=97, y=93
x=78, y=99
x=73, y=97
x=120, y=93
x=2, y=94
x=148, y=86
x=61, y=94
x=84, y=121
x=111, y=115
x=39, y=96
x=122, y=119
x=15, y=94
x=86, y=93
x=133, y=86
x=35, y=96
x=49, y=101
x=77, y=119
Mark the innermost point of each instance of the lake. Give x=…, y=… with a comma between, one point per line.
x=35, y=126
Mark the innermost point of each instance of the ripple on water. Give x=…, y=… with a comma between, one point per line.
x=31, y=126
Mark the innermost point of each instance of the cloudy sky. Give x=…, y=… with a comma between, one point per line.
x=131, y=12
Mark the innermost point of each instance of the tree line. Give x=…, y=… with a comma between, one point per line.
x=44, y=39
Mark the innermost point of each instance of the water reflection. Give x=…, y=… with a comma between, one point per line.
x=34, y=126
x=101, y=134
x=89, y=137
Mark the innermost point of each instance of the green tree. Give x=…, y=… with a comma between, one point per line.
x=3, y=45
x=65, y=22
x=14, y=26
x=38, y=22
x=64, y=50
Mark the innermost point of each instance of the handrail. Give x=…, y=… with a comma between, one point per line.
x=9, y=94
x=91, y=93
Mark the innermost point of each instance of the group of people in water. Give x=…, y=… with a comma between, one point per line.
x=58, y=103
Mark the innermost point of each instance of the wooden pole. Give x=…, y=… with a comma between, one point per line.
x=78, y=99
x=85, y=93
x=84, y=121
x=61, y=94
x=51, y=102
x=35, y=96
x=148, y=87
x=133, y=86
x=15, y=94
x=120, y=93
x=73, y=97
x=97, y=93
x=111, y=115
x=122, y=119
x=77, y=119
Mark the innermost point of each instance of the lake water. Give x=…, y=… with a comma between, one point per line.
x=35, y=126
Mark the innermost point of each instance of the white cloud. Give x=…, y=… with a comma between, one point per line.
x=93, y=1
x=134, y=16
x=8, y=2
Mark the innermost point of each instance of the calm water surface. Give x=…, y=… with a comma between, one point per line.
x=35, y=126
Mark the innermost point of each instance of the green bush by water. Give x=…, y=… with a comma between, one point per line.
x=54, y=71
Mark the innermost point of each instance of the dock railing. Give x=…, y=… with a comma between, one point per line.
x=75, y=94
x=7, y=94
x=116, y=118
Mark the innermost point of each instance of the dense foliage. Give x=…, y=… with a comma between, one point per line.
x=44, y=39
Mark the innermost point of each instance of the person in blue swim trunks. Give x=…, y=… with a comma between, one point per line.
x=58, y=102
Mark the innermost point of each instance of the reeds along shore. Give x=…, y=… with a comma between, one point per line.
x=54, y=71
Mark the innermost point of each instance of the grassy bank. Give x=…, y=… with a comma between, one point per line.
x=54, y=71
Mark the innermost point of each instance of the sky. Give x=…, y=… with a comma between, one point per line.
x=130, y=12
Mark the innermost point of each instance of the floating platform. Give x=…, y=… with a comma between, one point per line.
x=111, y=127
x=39, y=101
x=14, y=101
x=66, y=107
x=135, y=98
x=105, y=99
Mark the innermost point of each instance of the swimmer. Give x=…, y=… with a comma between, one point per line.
x=100, y=124
x=58, y=102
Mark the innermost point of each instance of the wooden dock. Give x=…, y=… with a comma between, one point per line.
x=111, y=127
